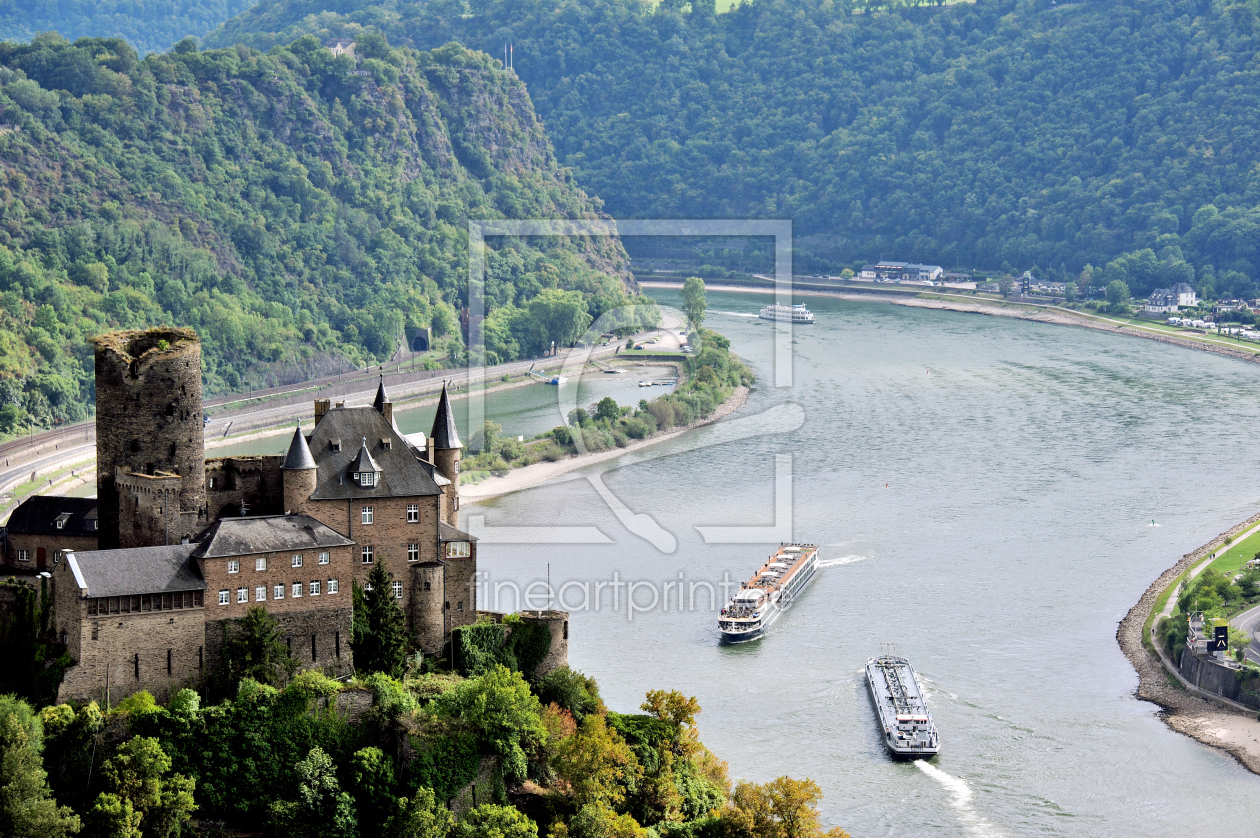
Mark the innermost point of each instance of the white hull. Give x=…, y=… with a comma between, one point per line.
x=905, y=724
x=738, y=627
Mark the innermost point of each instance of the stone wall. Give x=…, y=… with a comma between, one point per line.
x=317, y=638
x=253, y=483
x=1208, y=674
x=557, y=623
x=120, y=654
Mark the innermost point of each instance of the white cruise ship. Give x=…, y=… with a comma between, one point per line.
x=788, y=314
x=768, y=593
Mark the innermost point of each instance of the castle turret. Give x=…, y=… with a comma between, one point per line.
x=299, y=473
x=149, y=422
x=382, y=403
x=445, y=444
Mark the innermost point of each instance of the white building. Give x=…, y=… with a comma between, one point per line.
x=899, y=271
x=340, y=46
x=1162, y=300
x=1185, y=295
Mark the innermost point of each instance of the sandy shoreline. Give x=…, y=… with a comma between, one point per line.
x=539, y=473
x=1038, y=314
x=1217, y=725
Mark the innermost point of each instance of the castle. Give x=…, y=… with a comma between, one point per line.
x=187, y=545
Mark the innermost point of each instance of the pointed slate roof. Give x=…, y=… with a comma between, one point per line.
x=364, y=462
x=402, y=474
x=381, y=396
x=444, y=434
x=299, y=457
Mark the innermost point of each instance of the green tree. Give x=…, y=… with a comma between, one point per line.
x=322, y=809
x=491, y=821
x=32, y=660
x=504, y=713
x=782, y=808
x=598, y=820
x=27, y=807
x=257, y=650
x=380, y=637
x=607, y=410
x=1117, y=294
x=372, y=785
x=420, y=816
x=693, y=300
x=144, y=799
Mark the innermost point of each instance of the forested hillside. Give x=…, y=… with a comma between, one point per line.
x=148, y=25
x=297, y=209
x=995, y=134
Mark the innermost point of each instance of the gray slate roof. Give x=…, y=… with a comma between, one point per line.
x=136, y=570
x=448, y=533
x=363, y=461
x=38, y=516
x=444, y=434
x=299, y=457
x=401, y=474
x=266, y=534
x=381, y=396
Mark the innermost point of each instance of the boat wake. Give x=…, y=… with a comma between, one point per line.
x=734, y=313
x=841, y=560
x=960, y=799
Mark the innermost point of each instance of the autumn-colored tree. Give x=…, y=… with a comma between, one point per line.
x=782, y=808
x=595, y=764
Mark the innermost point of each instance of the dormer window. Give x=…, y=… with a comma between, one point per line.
x=334, y=444
x=387, y=444
x=367, y=479
x=62, y=519
x=364, y=470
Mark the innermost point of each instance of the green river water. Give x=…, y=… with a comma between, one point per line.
x=982, y=490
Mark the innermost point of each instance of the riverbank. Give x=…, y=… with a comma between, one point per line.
x=994, y=308
x=533, y=475
x=1234, y=731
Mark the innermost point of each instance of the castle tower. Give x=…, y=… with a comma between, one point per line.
x=557, y=623
x=445, y=443
x=299, y=473
x=427, y=620
x=149, y=422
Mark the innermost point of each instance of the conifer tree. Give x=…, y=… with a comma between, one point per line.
x=380, y=630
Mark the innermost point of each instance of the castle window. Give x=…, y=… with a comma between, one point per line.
x=137, y=660
x=197, y=599
x=297, y=590
x=458, y=549
x=260, y=593
x=92, y=603
x=277, y=592
x=413, y=552
x=367, y=553
x=459, y=606
x=413, y=513
x=58, y=555
x=366, y=514
x=24, y=555
x=260, y=563
x=169, y=661
x=314, y=589
x=96, y=631
x=323, y=558
x=332, y=586
x=242, y=594
x=210, y=483
x=427, y=585
x=234, y=566
x=397, y=588
x=223, y=597
x=367, y=479
x=455, y=502
x=297, y=561
x=146, y=602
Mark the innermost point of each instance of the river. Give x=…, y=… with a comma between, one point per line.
x=983, y=490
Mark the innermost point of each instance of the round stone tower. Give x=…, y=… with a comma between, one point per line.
x=149, y=420
x=299, y=474
x=557, y=623
x=427, y=621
